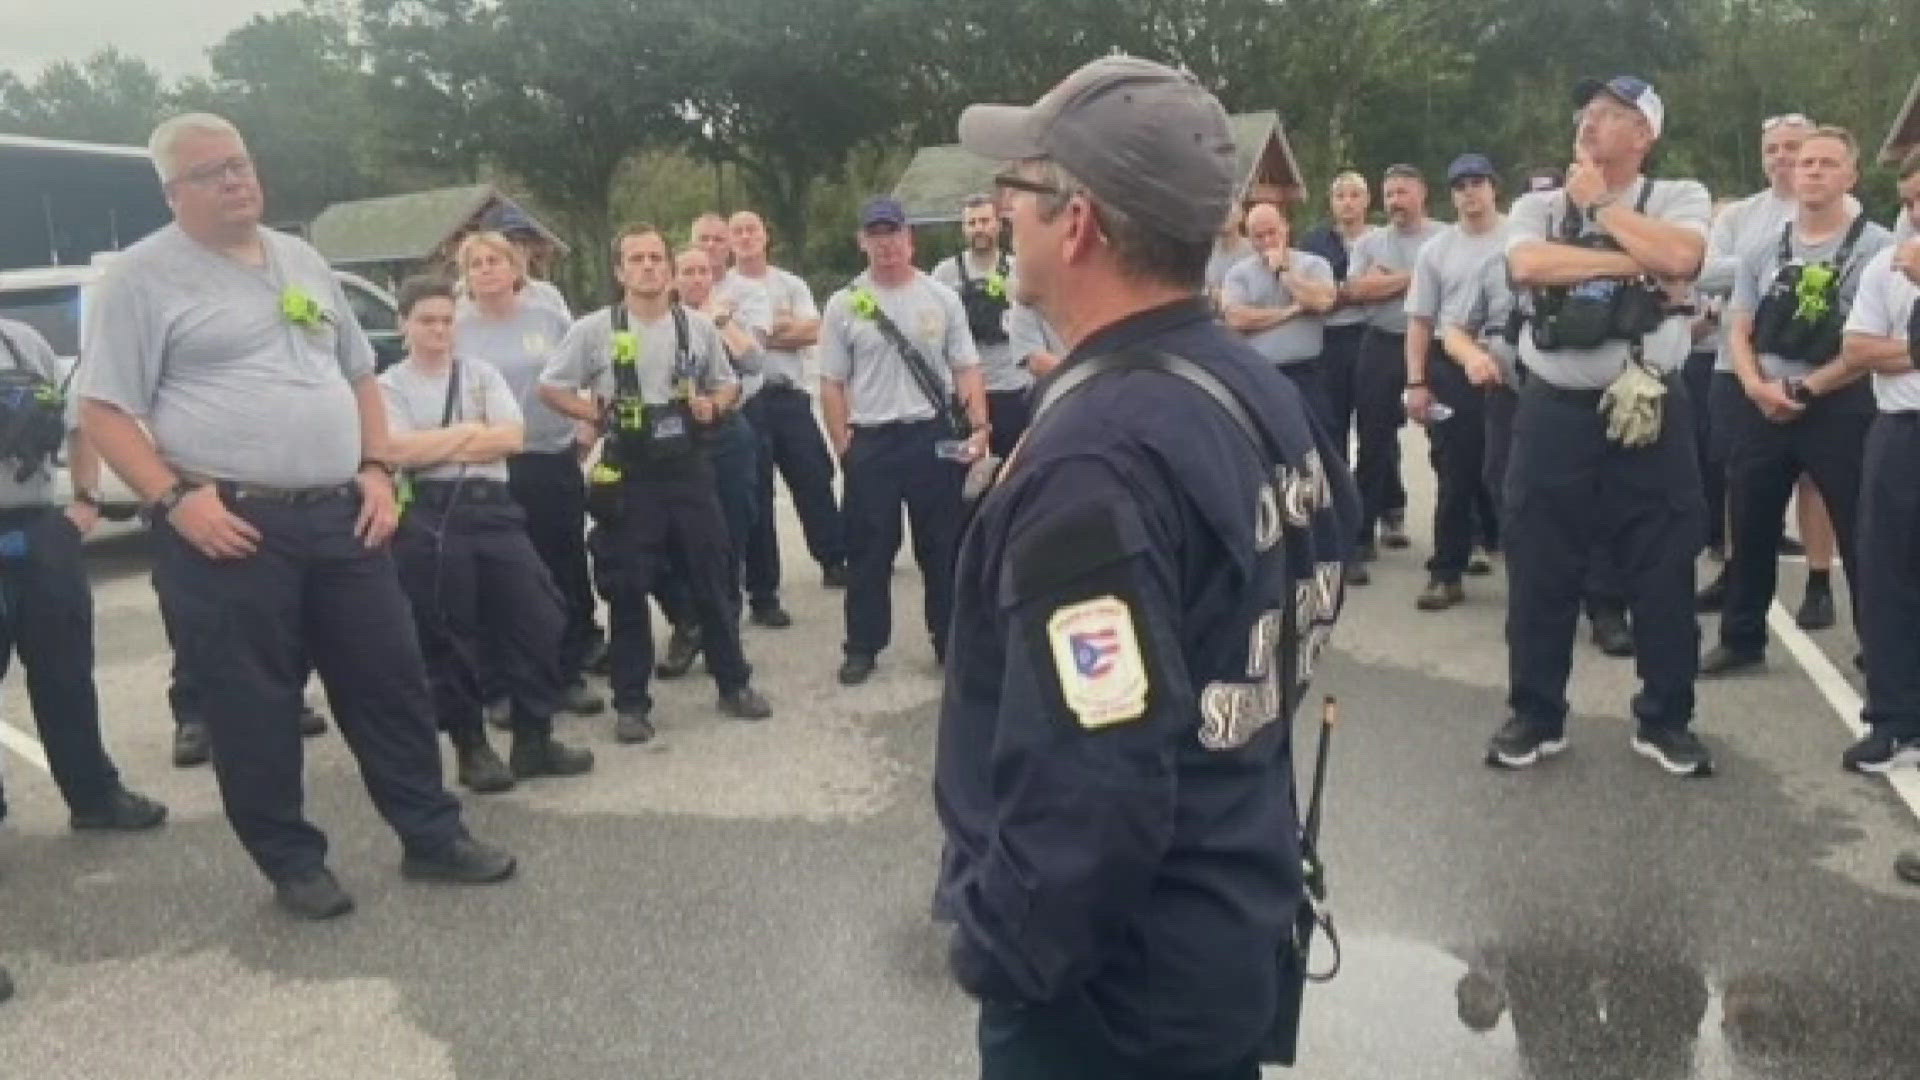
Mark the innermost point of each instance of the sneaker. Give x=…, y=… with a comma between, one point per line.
x=1440, y=595
x=771, y=616
x=1816, y=608
x=633, y=726
x=683, y=648
x=125, y=811
x=1721, y=661
x=466, y=861
x=317, y=896
x=1677, y=750
x=1358, y=574
x=834, y=577
x=1789, y=546
x=543, y=755
x=312, y=724
x=191, y=744
x=1907, y=866
x=1714, y=596
x=1481, y=564
x=745, y=704
x=498, y=714
x=1393, y=532
x=856, y=669
x=580, y=701
x=1611, y=634
x=1520, y=743
x=480, y=770
x=1880, y=752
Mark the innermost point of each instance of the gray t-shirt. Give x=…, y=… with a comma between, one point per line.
x=1224, y=258
x=546, y=292
x=416, y=401
x=584, y=360
x=1252, y=284
x=1762, y=264
x=1483, y=309
x=757, y=302
x=880, y=386
x=35, y=355
x=518, y=347
x=1451, y=265
x=999, y=364
x=1391, y=248
x=1742, y=228
x=1538, y=216
x=1029, y=332
x=196, y=346
x=1884, y=307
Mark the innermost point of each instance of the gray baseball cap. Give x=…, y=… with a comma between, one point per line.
x=1146, y=139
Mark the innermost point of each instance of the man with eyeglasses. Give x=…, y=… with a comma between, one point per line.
x=1140, y=599
x=1747, y=226
x=227, y=382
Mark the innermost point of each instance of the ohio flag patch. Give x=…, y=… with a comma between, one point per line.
x=1096, y=654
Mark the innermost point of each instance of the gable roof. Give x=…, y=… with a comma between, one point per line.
x=412, y=227
x=939, y=178
x=1905, y=133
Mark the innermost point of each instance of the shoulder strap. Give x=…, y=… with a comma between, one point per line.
x=14, y=351
x=917, y=363
x=1844, y=256
x=960, y=268
x=1646, y=195
x=1085, y=371
x=682, y=347
x=626, y=377
x=1786, y=244
x=453, y=392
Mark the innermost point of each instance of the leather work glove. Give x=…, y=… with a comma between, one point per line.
x=1634, y=405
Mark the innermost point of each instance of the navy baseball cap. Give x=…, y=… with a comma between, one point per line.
x=1630, y=89
x=1469, y=167
x=883, y=210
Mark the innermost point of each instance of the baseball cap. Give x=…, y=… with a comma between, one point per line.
x=1630, y=89
x=883, y=210
x=1468, y=167
x=1146, y=139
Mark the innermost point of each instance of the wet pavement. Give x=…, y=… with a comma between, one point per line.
x=750, y=900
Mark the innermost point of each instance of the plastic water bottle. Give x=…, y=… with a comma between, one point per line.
x=1437, y=410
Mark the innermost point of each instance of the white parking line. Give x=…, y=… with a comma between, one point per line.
x=1839, y=694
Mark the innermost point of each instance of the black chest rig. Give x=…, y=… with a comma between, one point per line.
x=985, y=301
x=32, y=417
x=645, y=439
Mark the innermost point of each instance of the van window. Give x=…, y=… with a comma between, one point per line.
x=371, y=312
x=55, y=312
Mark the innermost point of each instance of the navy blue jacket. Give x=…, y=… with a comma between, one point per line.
x=1114, y=775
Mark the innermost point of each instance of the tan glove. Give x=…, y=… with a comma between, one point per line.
x=1634, y=406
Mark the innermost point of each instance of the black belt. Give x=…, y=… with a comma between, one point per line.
x=894, y=425
x=781, y=384
x=1904, y=415
x=303, y=496
x=479, y=492
x=1589, y=395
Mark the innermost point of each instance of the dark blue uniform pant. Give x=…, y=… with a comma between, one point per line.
x=1457, y=450
x=1308, y=378
x=46, y=617
x=313, y=589
x=790, y=440
x=889, y=465
x=479, y=591
x=1008, y=412
x=1889, y=569
x=1378, y=415
x=735, y=452
x=1827, y=443
x=184, y=693
x=1065, y=1040
x=663, y=519
x=1604, y=590
x=1713, y=465
x=553, y=491
x=1568, y=487
x=1339, y=364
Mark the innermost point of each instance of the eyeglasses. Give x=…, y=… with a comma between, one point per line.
x=1793, y=119
x=239, y=168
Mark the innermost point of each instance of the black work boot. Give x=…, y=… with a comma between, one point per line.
x=543, y=755
x=683, y=648
x=191, y=744
x=480, y=769
x=466, y=861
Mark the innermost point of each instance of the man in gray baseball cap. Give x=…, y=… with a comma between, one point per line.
x=1122, y=898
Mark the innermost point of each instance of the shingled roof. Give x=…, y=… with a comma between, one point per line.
x=412, y=227
x=939, y=178
x=1905, y=133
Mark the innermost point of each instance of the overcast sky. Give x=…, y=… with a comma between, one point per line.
x=173, y=35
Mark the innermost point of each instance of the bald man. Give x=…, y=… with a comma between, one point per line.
x=1276, y=297
x=777, y=308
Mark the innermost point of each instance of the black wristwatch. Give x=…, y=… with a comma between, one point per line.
x=376, y=463
x=87, y=497
x=1797, y=390
x=161, y=508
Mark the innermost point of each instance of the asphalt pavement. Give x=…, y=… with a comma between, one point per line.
x=749, y=900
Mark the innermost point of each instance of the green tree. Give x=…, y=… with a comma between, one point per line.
x=108, y=97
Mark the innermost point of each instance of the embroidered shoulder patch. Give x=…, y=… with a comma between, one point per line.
x=1096, y=653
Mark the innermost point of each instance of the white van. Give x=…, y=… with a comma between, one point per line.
x=53, y=300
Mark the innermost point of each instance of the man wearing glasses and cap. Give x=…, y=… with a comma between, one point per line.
x=1449, y=265
x=1139, y=600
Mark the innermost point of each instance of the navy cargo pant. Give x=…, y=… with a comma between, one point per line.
x=46, y=618
x=1066, y=1040
x=735, y=452
x=1008, y=412
x=672, y=516
x=790, y=440
x=1339, y=364
x=1890, y=574
x=478, y=591
x=1378, y=415
x=888, y=466
x=553, y=491
x=313, y=589
x=1458, y=450
x=1766, y=460
x=1569, y=488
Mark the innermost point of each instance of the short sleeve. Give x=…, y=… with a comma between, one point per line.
x=500, y=404
x=1424, y=295
x=716, y=369
x=1746, y=279
x=575, y=362
x=1528, y=221
x=125, y=345
x=351, y=346
x=800, y=297
x=1362, y=258
x=399, y=418
x=1689, y=205
x=948, y=273
x=1315, y=268
x=1025, y=332
x=1240, y=287
x=1873, y=308
x=836, y=359
x=961, y=351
